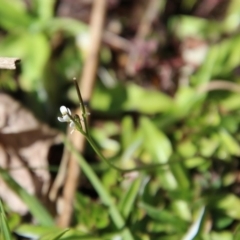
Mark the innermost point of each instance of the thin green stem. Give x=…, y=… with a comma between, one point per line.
x=82, y=107
x=140, y=168
x=86, y=133
x=105, y=196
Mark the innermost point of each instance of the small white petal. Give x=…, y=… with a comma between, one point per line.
x=63, y=110
x=72, y=124
x=69, y=111
x=61, y=119
x=66, y=118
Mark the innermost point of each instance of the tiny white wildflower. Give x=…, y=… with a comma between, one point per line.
x=65, y=117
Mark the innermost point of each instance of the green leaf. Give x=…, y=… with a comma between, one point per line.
x=14, y=16
x=230, y=204
x=109, y=100
x=4, y=228
x=224, y=235
x=45, y=8
x=159, y=147
x=187, y=149
x=194, y=229
x=127, y=130
x=195, y=162
x=102, y=191
x=86, y=207
x=33, y=231
x=35, y=60
x=146, y=101
x=155, y=141
x=164, y=217
x=184, y=26
x=237, y=233
x=186, y=99
x=127, y=202
x=67, y=25
x=54, y=235
x=35, y=207
x=129, y=98
x=231, y=103
x=208, y=146
x=33, y=50
x=229, y=143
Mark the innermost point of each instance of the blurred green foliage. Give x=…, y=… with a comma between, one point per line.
x=35, y=36
x=195, y=196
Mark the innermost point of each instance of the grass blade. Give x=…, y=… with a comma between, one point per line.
x=4, y=229
x=35, y=207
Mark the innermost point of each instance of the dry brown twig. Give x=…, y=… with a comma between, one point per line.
x=86, y=85
x=8, y=62
x=116, y=42
x=219, y=85
x=143, y=31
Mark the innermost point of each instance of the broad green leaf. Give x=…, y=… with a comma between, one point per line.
x=33, y=231
x=232, y=102
x=33, y=50
x=207, y=146
x=45, y=8
x=109, y=100
x=231, y=20
x=224, y=235
x=182, y=209
x=159, y=147
x=230, y=204
x=67, y=25
x=225, y=54
x=35, y=60
x=187, y=149
x=146, y=101
x=130, y=98
x=14, y=15
x=229, y=143
x=186, y=99
x=14, y=45
x=185, y=26
x=195, y=162
x=205, y=71
x=163, y=216
x=155, y=141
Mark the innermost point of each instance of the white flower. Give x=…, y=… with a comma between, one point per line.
x=65, y=117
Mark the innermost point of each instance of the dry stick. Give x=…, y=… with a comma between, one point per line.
x=116, y=42
x=218, y=85
x=86, y=85
x=61, y=174
x=143, y=31
x=8, y=63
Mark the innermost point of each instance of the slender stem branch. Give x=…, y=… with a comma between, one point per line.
x=140, y=168
x=82, y=107
x=105, y=196
x=86, y=133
